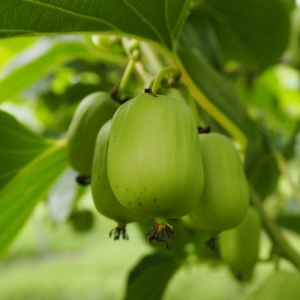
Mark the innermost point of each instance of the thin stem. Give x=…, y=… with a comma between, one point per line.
x=170, y=69
x=133, y=58
x=139, y=66
x=192, y=104
x=282, y=246
x=128, y=71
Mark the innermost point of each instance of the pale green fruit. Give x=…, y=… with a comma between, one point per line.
x=104, y=198
x=281, y=285
x=92, y=112
x=239, y=246
x=154, y=157
x=225, y=198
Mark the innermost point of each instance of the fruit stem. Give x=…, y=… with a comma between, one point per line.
x=284, y=249
x=134, y=57
x=175, y=77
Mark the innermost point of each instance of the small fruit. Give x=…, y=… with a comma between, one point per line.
x=239, y=246
x=82, y=220
x=154, y=158
x=105, y=41
x=91, y=114
x=225, y=198
x=104, y=199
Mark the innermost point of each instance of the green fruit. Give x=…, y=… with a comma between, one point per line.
x=225, y=198
x=104, y=198
x=91, y=114
x=280, y=285
x=239, y=246
x=105, y=41
x=154, y=157
x=82, y=220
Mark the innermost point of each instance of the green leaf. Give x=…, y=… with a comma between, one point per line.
x=45, y=57
x=254, y=32
x=18, y=147
x=199, y=33
x=150, y=277
x=265, y=174
x=19, y=197
x=155, y=20
x=10, y=47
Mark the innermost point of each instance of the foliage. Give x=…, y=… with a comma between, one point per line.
x=239, y=66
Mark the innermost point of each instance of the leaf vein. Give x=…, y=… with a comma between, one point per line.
x=146, y=22
x=74, y=14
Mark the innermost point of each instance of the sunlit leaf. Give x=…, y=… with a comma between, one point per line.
x=44, y=57
x=19, y=197
x=18, y=146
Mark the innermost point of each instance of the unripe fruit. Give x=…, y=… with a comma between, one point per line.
x=239, y=246
x=225, y=197
x=104, y=199
x=82, y=220
x=154, y=157
x=92, y=112
x=105, y=41
x=281, y=285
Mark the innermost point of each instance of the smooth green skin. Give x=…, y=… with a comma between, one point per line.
x=104, y=198
x=154, y=158
x=281, y=285
x=225, y=198
x=239, y=246
x=92, y=112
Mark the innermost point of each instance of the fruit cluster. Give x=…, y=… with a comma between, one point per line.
x=148, y=160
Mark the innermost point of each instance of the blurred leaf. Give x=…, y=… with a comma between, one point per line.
x=156, y=20
x=265, y=174
x=18, y=147
x=289, y=221
x=254, y=32
x=19, y=197
x=290, y=148
x=42, y=58
x=9, y=48
x=150, y=277
x=199, y=32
